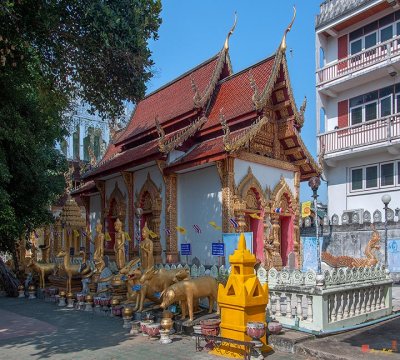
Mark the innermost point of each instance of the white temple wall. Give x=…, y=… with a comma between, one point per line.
x=199, y=202
x=94, y=216
x=266, y=175
x=139, y=180
x=110, y=186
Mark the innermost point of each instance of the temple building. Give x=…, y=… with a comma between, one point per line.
x=210, y=146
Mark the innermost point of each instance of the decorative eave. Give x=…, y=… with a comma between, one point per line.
x=166, y=146
x=309, y=157
x=233, y=144
x=201, y=100
x=298, y=114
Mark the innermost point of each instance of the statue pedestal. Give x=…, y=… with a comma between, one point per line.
x=21, y=294
x=165, y=337
x=62, y=302
x=70, y=303
x=32, y=295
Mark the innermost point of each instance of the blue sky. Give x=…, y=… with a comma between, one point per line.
x=193, y=31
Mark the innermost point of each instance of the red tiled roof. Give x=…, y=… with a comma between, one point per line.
x=170, y=101
x=126, y=158
x=86, y=187
x=234, y=94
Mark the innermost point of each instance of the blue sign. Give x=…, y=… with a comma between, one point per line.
x=218, y=249
x=186, y=249
x=394, y=255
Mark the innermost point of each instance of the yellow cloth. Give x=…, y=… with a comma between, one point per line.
x=305, y=209
x=215, y=226
x=255, y=216
x=152, y=234
x=181, y=229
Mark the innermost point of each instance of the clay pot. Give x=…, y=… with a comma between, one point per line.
x=153, y=329
x=21, y=287
x=210, y=327
x=167, y=323
x=143, y=326
x=274, y=327
x=116, y=282
x=70, y=295
x=167, y=314
x=88, y=298
x=256, y=330
x=117, y=310
x=62, y=293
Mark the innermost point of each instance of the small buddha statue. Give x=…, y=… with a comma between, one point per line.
x=99, y=248
x=119, y=245
x=146, y=250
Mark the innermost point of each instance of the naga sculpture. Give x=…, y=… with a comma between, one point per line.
x=71, y=269
x=350, y=262
x=42, y=270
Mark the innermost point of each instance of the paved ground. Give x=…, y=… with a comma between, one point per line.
x=34, y=329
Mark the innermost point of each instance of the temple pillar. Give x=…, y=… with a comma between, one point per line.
x=129, y=179
x=296, y=218
x=228, y=191
x=276, y=255
x=157, y=248
x=171, y=218
x=86, y=204
x=101, y=186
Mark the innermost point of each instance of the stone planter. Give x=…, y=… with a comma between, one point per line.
x=274, y=327
x=210, y=327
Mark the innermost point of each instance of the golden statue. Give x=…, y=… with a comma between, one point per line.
x=350, y=262
x=34, y=249
x=42, y=270
x=99, y=248
x=146, y=250
x=119, y=245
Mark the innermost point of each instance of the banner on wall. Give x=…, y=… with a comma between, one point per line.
x=218, y=249
x=305, y=209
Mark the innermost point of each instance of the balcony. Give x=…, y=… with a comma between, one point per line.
x=368, y=134
x=358, y=63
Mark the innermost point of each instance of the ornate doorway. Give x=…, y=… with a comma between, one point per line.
x=116, y=209
x=149, y=199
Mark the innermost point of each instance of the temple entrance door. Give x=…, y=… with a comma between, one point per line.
x=286, y=227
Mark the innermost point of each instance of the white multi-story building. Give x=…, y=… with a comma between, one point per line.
x=358, y=104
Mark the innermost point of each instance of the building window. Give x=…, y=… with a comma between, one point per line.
x=357, y=179
x=398, y=173
x=386, y=106
x=370, y=111
x=371, y=177
x=356, y=115
x=64, y=147
x=387, y=174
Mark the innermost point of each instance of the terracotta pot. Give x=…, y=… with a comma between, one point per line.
x=153, y=329
x=274, y=327
x=210, y=327
x=256, y=330
x=143, y=326
x=117, y=310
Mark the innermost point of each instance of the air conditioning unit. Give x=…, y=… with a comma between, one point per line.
x=353, y=216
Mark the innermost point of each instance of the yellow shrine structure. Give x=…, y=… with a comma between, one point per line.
x=243, y=299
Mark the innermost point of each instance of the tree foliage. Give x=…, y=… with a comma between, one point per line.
x=51, y=53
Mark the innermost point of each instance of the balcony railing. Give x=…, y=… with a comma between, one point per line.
x=359, y=61
x=364, y=134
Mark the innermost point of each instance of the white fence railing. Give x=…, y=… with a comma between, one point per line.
x=338, y=299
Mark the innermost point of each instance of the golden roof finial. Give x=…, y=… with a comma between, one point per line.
x=283, y=43
x=226, y=45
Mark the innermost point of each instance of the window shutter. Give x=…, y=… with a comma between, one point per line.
x=342, y=47
x=342, y=51
x=343, y=113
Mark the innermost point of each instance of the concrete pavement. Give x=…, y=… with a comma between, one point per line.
x=34, y=329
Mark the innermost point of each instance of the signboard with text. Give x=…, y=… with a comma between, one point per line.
x=218, y=249
x=186, y=249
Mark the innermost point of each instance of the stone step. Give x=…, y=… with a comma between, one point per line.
x=287, y=340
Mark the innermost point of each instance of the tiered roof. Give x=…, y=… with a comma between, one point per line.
x=210, y=113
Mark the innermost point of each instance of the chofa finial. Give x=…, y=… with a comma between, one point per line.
x=283, y=43
x=226, y=45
